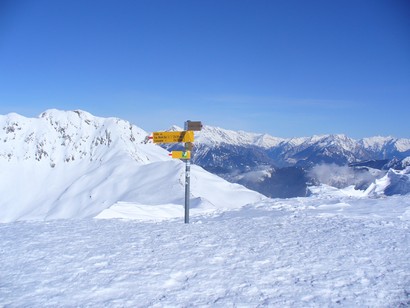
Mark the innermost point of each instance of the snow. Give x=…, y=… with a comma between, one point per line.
x=215, y=136
x=406, y=162
x=91, y=215
x=403, y=145
x=66, y=136
x=376, y=142
x=393, y=183
x=321, y=251
x=209, y=193
x=73, y=165
x=84, y=189
x=297, y=141
x=210, y=135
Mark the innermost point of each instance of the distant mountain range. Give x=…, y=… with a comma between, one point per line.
x=304, y=152
x=280, y=167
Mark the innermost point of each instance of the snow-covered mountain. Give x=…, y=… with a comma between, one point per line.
x=306, y=151
x=67, y=164
x=58, y=137
x=280, y=167
x=226, y=151
x=213, y=136
x=72, y=164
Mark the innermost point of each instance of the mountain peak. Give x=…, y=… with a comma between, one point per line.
x=211, y=135
x=64, y=136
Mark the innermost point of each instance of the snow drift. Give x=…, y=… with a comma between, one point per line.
x=75, y=165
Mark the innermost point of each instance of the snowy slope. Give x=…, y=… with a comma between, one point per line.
x=329, y=250
x=393, y=183
x=74, y=165
x=380, y=144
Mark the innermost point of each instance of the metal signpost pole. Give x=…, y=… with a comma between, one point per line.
x=187, y=187
x=187, y=180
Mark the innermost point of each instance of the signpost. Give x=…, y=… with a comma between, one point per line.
x=173, y=137
x=186, y=136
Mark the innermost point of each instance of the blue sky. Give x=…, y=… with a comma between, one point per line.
x=287, y=68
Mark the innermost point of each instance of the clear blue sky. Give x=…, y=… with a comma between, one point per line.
x=287, y=68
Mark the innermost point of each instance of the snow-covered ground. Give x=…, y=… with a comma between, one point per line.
x=331, y=249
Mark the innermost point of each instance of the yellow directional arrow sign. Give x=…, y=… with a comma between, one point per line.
x=181, y=154
x=173, y=137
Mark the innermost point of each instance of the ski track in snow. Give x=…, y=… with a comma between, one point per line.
x=292, y=253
